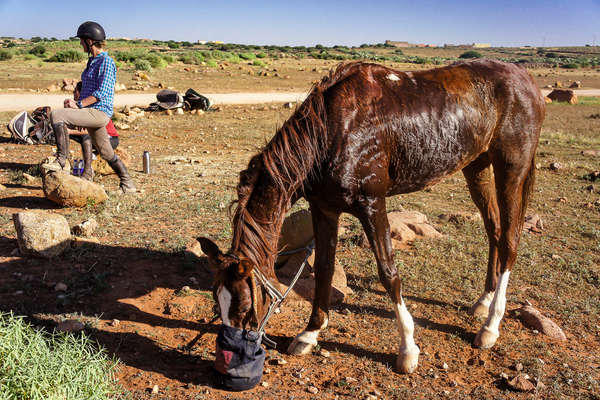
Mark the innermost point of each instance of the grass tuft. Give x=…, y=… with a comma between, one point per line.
x=37, y=365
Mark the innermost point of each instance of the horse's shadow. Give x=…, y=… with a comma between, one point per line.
x=30, y=202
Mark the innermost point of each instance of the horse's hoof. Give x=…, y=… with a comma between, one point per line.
x=407, y=361
x=485, y=338
x=299, y=348
x=479, y=310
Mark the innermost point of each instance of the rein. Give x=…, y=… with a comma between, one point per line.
x=276, y=296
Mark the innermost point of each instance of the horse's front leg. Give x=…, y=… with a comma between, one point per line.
x=374, y=220
x=325, y=226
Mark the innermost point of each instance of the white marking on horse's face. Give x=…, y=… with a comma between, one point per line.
x=224, y=297
x=393, y=77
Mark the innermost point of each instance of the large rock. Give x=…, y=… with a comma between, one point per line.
x=563, y=95
x=68, y=190
x=42, y=234
x=86, y=228
x=296, y=232
x=101, y=167
x=534, y=319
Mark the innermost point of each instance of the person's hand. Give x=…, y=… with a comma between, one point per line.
x=70, y=103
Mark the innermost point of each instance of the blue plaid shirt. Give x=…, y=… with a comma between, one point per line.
x=98, y=80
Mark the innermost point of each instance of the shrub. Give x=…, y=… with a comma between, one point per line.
x=11, y=44
x=211, y=63
x=247, y=56
x=261, y=55
x=38, y=50
x=259, y=63
x=398, y=51
x=168, y=58
x=173, y=45
x=29, y=57
x=37, y=365
x=67, y=56
x=470, y=54
x=130, y=56
x=570, y=66
x=155, y=60
x=5, y=55
x=143, y=65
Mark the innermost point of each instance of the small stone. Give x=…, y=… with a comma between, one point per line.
x=2, y=187
x=70, y=325
x=518, y=367
x=371, y=397
x=345, y=311
x=86, y=228
x=267, y=371
x=29, y=178
x=264, y=384
x=115, y=323
x=281, y=361
x=521, y=383
x=179, y=111
x=324, y=353
x=60, y=287
x=155, y=389
x=350, y=379
x=444, y=366
x=185, y=289
x=312, y=389
x=555, y=166
x=504, y=376
x=169, y=112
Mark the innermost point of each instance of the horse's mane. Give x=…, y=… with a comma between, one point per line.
x=294, y=154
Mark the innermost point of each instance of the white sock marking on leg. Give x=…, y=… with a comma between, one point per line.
x=406, y=327
x=498, y=305
x=486, y=299
x=224, y=304
x=310, y=337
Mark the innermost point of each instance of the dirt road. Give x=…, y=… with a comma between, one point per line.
x=18, y=102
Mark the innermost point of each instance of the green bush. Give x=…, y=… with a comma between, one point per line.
x=29, y=57
x=261, y=55
x=570, y=66
x=247, y=56
x=211, y=63
x=168, y=58
x=173, y=45
x=67, y=56
x=143, y=65
x=5, y=55
x=38, y=50
x=35, y=365
x=155, y=60
x=259, y=63
x=470, y=54
x=130, y=56
x=11, y=44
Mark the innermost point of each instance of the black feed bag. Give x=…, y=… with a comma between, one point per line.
x=239, y=359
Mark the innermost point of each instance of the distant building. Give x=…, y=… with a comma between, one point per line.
x=202, y=41
x=481, y=45
x=398, y=44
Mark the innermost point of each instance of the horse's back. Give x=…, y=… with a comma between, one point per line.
x=410, y=129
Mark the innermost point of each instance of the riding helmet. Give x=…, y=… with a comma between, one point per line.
x=91, y=30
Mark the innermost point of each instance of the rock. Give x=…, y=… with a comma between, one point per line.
x=518, y=367
x=155, y=389
x=70, y=325
x=533, y=223
x=86, y=228
x=78, y=242
x=120, y=87
x=53, y=88
x=115, y=323
x=296, y=232
x=312, y=389
x=169, y=112
x=460, y=217
x=60, y=287
x=425, y=230
x=406, y=217
x=324, y=353
x=350, y=379
x=118, y=116
x=293, y=264
x=563, y=95
x=264, y=384
x=41, y=234
x=121, y=126
x=68, y=190
x=445, y=366
x=2, y=187
x=521, y=384
x=575, y=85
x=402, y=232
x=534, y=319
x=29, y=178
x=592, y=153
x=179, y=111
x=555, y=166
x=193, y=250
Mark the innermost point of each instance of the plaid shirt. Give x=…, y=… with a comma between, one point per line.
x=98, y=80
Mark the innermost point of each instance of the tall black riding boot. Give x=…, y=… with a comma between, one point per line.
x=62, y=148
x=86, y=150
x=126, y=184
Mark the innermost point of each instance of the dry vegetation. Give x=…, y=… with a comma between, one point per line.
x=164, y=336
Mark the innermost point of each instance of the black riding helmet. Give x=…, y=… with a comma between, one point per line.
x=91, y=30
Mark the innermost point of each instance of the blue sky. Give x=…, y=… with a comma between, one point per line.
x=309, y=22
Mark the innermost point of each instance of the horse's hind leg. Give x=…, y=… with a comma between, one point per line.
x=480, y=180
x=514, y=176
x=373, y=218
x=325, y=228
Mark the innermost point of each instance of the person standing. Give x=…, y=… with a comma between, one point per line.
x=94, y=108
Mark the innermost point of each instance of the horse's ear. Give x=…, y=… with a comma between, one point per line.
x=245, y=267
x=209, y=247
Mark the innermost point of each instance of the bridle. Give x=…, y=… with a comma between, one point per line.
x=276, y=297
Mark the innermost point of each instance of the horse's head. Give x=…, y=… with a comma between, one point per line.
x=234, y=288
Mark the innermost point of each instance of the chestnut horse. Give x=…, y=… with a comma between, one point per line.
x=366, y=132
